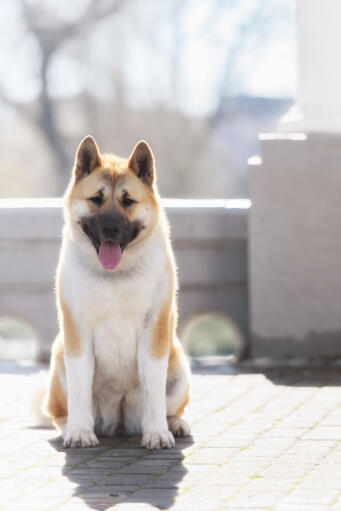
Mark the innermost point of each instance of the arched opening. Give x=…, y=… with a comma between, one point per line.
x=212, y=334
x=18, y=340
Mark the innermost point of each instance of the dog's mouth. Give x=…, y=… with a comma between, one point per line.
x=109, y=252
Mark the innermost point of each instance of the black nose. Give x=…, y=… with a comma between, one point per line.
x=110, y=230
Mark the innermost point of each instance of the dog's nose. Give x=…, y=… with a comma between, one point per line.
x=110, y=230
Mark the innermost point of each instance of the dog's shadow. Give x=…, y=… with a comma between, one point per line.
x=119, y=470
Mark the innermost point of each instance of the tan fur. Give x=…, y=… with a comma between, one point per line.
x=72, y=343
x=174, y=364
x=183, y=404
x=114, y=170
x=55, y=403
x=164, y=328
x=173, y=359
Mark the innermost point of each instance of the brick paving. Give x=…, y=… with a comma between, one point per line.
x=261, y=441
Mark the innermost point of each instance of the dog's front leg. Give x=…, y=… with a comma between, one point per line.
x=152, y=376
x=80, y=423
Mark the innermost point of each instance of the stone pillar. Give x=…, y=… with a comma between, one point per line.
x=295, y=219
x=318, y=99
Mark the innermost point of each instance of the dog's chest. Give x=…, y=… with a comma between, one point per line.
x=113, y=312
x=116, y=332
x=115, y=347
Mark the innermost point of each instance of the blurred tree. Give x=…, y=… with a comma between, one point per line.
x=125, y=70
x=253, y=30
x=51, y=33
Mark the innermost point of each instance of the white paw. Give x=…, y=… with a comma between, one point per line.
x=158, y=440
x=80, y=438
x=178, y=426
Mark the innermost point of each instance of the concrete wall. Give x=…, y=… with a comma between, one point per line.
x=209, y=238
x=295, y=247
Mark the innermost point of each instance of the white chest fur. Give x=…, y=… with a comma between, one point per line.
x=111, y=307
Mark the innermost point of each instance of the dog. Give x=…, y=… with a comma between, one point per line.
x=116, y=362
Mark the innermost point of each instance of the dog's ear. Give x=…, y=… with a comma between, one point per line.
x=87, y=158
x=141, y=162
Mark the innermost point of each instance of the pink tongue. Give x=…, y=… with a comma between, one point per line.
x=109, y=255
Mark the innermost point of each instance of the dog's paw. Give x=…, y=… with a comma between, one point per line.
x=178, y=426
x=158, y=440
x=80, y=438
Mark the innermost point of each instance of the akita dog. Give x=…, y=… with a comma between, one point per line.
x=116, y=360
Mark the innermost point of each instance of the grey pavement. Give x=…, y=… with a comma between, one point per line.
x=261, y=441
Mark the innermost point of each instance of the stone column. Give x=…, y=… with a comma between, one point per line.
x=318, y=99
x=295, y=220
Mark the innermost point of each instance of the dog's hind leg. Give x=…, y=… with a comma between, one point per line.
x=177, y=391
x=55, y=402
x=175, y=408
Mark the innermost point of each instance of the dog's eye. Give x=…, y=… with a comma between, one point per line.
x=127, y=201
x=98, y=200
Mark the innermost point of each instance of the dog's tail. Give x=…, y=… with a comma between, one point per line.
x=40, y=385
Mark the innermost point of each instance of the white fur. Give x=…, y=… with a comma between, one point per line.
x=116, y=378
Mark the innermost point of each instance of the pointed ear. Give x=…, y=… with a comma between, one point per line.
x=87, y=158
x=141, y=162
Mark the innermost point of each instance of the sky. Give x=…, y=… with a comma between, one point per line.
x=147, y=42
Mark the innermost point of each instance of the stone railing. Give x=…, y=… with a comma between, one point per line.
x=210, y=241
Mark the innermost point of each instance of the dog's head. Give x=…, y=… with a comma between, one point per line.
x=111, y=202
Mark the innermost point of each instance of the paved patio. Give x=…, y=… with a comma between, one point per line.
x=260, y=441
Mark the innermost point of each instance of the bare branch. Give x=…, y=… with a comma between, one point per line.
x=21, y=108
x=51, y=38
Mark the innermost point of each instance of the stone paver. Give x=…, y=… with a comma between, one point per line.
x=261, y=441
